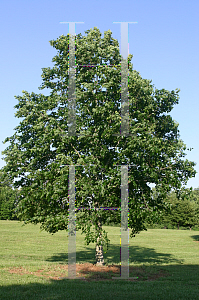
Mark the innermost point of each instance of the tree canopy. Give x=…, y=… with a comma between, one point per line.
x=40, y=149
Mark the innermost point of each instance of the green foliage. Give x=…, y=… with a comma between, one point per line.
x=183, y=212
x=40, y=148
x=7, y=199
x=195, y=195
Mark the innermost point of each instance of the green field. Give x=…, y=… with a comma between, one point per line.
x=171, y=252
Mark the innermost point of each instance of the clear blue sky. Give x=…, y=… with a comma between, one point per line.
x=164, y=44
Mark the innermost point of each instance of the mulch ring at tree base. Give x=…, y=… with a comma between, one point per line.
x=91, y=272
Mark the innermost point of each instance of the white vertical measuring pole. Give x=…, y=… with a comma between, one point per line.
x=124, y=272
x=71, y=81
x=124, y=247
x=72, y=132
x=124, y=244
x=124, y=79
x=72, y=225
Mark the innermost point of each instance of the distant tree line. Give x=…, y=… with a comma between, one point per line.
x=183, y=213
x=8, y=197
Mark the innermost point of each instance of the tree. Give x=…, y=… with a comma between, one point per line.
x=195, y=195
x=7, y=198
x=40, y=149
x=195, y=198
x=190, y=214
x=184, y=211
x=187, y=208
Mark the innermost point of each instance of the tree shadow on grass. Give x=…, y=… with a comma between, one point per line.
x=137, y=255
x=143, y=263
x=195, y=238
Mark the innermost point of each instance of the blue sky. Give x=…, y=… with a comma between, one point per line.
x=164, y=44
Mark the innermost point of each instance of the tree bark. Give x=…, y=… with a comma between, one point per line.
x=99, y=249
x=189, y=227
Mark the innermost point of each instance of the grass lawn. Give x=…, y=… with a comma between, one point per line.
x=165, y=261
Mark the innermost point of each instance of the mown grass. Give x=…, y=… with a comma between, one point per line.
x=173, y=252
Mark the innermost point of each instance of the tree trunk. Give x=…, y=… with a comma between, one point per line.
x=189, y=227
x=178, y=226
x=99, y=249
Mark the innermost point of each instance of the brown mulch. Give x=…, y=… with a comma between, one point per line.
x=90, y=272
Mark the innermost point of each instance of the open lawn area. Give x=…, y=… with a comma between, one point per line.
x=165, y=261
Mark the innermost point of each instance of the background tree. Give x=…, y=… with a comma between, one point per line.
x=195, y=195
x=195, y=198
x=40, y=149
x=7, y=198
x=183, y=212
x=187, y=208
x=190, y=214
